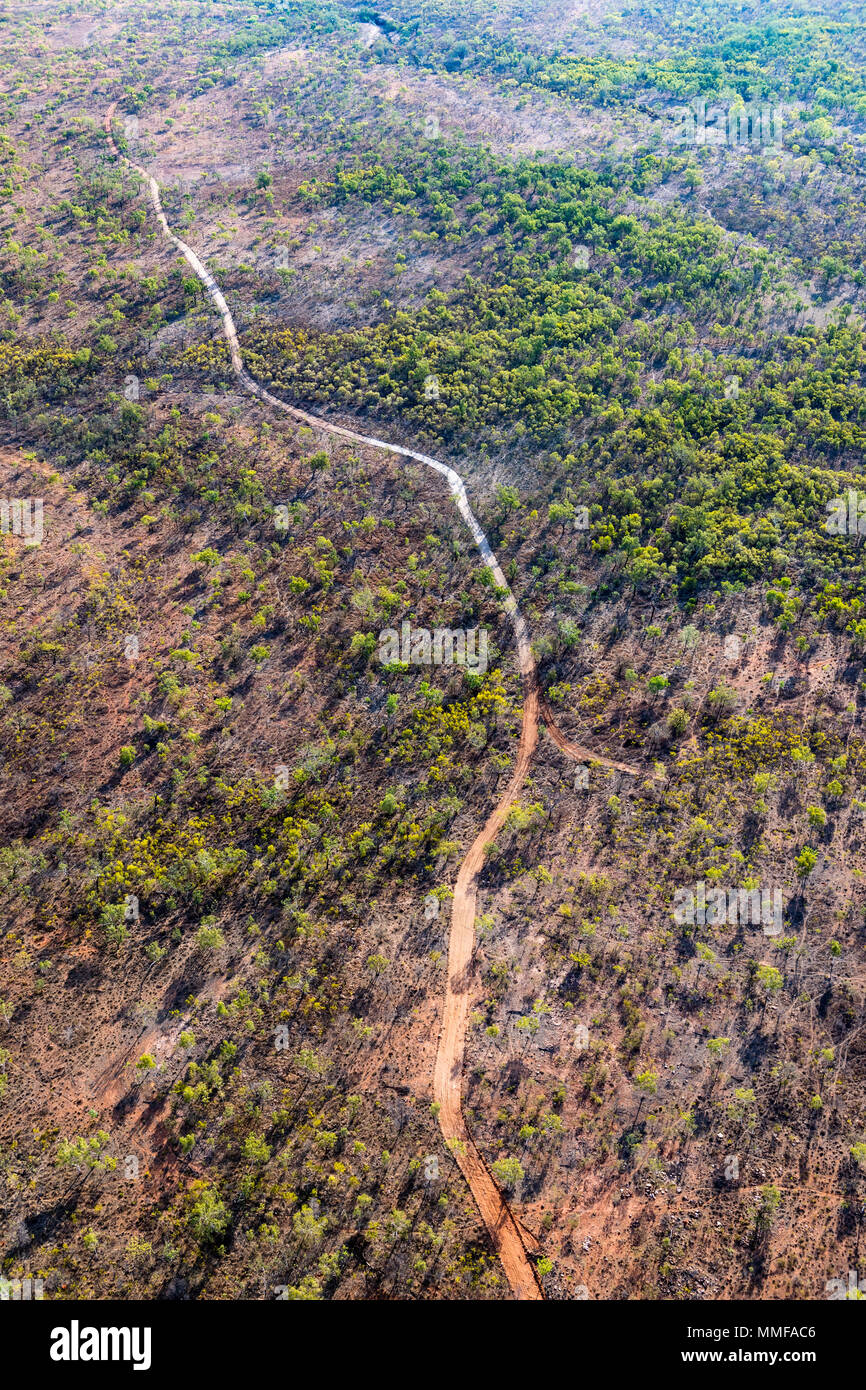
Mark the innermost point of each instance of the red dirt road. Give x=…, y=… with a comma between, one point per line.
x=448, y=1074
x=577, y=750
x=500, y=1221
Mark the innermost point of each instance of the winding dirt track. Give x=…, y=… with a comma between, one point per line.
x=501, y=1223
x=577, y=750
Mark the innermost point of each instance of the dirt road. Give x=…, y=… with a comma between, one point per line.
x=577, y=750
x=502, y=1225
x=448, y=1073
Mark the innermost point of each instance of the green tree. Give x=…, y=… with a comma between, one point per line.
x=508, y=1172
x=805, y=862
x=208, y=1216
